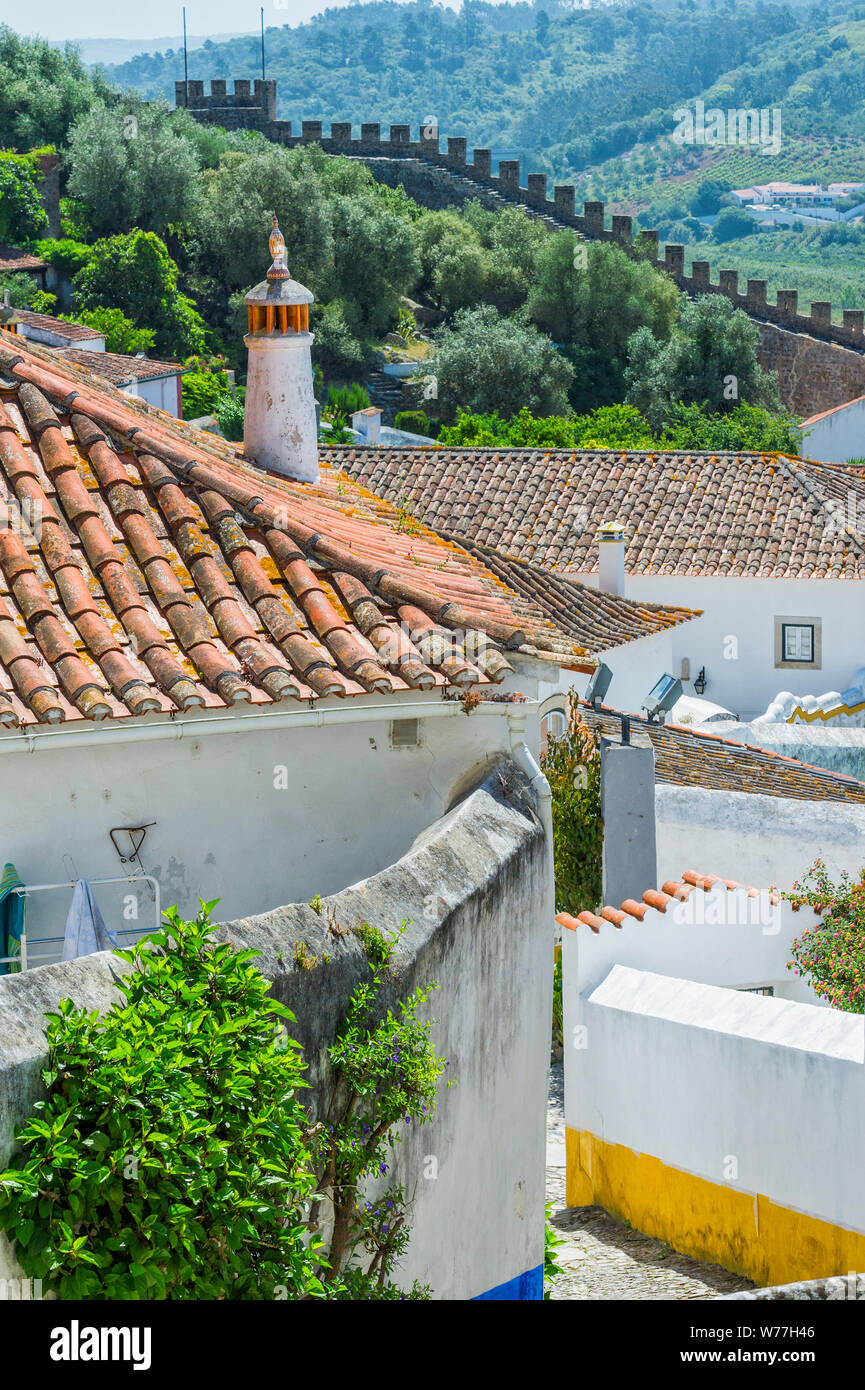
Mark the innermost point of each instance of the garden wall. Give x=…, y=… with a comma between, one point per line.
x=475, y=889
x=727, y=1124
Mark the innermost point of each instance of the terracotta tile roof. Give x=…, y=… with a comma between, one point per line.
x=13, y=259
x=686, y=757
x=632, y=912
x=596, y=620
x=72, y=332
x=119, y=369
x=144, y=565
x=753, y=515
x=824, y=414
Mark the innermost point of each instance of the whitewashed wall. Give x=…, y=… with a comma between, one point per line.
x=745, y=609
x=636, y=666
x=693, y=1074
x=837, y=437
x=228, y=823
x=761, y=840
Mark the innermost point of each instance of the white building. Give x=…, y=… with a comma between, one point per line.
x=836, y=435
x=767, y=548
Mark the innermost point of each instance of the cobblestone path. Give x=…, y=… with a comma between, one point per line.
x=601, y=1257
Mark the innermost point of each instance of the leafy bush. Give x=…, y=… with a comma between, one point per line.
x=572, y=764
x=229, y=415
x=415, y=422
x=65, y=254
x=170, y=1157
x=347, y=399
x=201, y=392
x=831, y=956
x=43, y=302
x=121, y=334
x=135, y=274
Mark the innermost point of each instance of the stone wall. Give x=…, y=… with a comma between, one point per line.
x=475, y=889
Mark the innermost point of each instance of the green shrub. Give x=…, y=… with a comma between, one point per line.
x=415, y=422
x=229, y=415
x=169, y=1158
x=202, y=391
x=348, y=399
x=65, y=254
x=572, y=765
x=120, y=333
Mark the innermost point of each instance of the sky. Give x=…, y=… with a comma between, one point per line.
x=106, y=19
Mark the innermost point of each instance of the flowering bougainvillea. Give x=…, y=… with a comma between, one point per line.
x=831, y=956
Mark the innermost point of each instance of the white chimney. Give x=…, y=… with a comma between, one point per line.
x=611, y=557
x=279, y=423
x=367, y=423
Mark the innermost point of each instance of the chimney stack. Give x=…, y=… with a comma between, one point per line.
x=279, y=424
x=611, y=558
x=367, y=423
x=630, y=863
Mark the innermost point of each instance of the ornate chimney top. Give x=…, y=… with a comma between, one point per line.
x=276, y=246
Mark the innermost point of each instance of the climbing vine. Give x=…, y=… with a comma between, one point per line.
x=572, y=764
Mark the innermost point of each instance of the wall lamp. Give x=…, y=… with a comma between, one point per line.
x=700, y=681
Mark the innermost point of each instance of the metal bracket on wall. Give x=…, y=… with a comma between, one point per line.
x=130, y=854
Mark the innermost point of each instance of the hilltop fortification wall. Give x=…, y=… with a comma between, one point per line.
x=820, y=362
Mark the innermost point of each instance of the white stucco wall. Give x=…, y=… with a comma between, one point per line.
x=837, y=437
x=766, y=841
x=223, y=829
x=745, y=610
x=693, y=1074
x=162, y=393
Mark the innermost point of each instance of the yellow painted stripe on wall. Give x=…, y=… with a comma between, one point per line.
x=746, y=1233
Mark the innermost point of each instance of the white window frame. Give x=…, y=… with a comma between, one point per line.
x=782, y=662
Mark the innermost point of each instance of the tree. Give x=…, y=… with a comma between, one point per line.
x=22, y=216
x=374, y=261
x=452, y=264
x=706, y=199
x=709, y=360
x=134, y=273
x=732, y=223
x=131, y=167
x=235, y=203
x=592, y=297
x=484, y=362
x=43, y=90
x=572, y=765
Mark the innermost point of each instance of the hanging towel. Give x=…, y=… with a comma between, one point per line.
x=85, y=930
x=12, y=910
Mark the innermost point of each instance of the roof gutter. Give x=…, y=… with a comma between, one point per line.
x=34, y=739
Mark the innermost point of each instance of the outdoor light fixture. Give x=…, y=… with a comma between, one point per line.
x=598, y=685
x=700, y=681
x=661, y=698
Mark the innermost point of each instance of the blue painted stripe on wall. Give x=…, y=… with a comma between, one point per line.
x=525, y=1286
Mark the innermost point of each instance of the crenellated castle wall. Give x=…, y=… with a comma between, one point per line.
x=820, y=362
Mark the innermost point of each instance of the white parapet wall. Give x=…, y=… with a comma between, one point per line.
x=728, y=1123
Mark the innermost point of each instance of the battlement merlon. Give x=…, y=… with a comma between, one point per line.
x=253, y=105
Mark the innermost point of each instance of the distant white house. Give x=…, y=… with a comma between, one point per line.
x=156, y=382
x=836, y=435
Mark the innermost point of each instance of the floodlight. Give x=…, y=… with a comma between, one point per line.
x=661, y=698
x=598, y=685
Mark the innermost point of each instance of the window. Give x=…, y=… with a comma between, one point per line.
x=768, y=990
x=553, y=725
x=798, y=641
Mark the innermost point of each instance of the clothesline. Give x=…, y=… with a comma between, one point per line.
x=27, y=956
